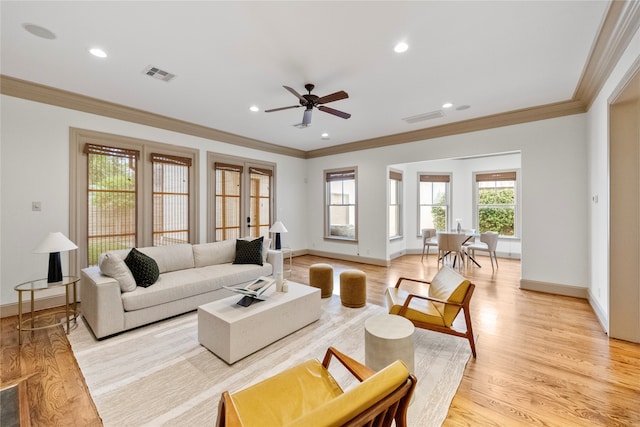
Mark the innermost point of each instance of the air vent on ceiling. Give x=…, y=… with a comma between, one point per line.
x=426, y=116
x=157, y=73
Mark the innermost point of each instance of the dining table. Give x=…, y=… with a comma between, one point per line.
x=461, y=238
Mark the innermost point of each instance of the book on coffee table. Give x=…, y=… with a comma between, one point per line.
x=255, y=288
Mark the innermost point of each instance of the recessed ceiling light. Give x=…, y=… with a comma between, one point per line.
x=447, y=105
x=254, y=108
x=325, y=136
x=39, y=31
x=401, y=47
x=98, y=52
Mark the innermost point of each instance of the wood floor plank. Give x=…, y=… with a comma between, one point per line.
x=542, y=359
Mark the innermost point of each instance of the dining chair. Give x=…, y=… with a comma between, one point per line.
x=451, y=244
x=488, y=243
x=428, y=240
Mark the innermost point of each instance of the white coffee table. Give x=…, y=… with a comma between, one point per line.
x=232, y=332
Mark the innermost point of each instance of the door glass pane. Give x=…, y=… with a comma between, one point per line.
x=227, y=204
x=259, y=204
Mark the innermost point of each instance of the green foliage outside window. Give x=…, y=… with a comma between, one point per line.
x=491, y=216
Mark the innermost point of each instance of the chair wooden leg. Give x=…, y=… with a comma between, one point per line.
x=472, y=342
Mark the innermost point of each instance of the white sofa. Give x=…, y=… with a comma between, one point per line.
x=190, y=275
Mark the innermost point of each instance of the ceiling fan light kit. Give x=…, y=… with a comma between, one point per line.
x=310, y=100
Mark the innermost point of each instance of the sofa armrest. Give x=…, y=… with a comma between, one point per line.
x=275, y=258
x=101, y=302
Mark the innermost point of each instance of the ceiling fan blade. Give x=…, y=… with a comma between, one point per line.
x=306, y=118
x=300, y=97
x=282, y=108
x=334, y=112
x=333, y=97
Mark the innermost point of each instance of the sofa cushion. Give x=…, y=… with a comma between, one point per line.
x=249, y=251
x=143, y=268
x=113, y=266
x=176, y=285
x=171, y=257
x=214, y=253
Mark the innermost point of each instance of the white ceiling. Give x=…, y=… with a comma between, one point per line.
x=495, y=56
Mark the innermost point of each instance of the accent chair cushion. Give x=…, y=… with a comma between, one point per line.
x=448, y=285
x=143, y=268
x=308, y=395
x=249, y=251
x=113, y=266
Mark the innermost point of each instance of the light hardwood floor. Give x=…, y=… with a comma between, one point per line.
x=542, y=359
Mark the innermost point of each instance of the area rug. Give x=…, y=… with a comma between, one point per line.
x=160, y=375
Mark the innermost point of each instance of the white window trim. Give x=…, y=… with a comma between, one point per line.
x=448, y=201
x=400, y=192
x=518, y=207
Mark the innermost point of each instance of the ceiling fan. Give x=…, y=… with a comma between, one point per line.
x=310, y=100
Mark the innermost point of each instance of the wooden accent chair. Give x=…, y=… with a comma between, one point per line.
x=448, y=293
x=307, y=395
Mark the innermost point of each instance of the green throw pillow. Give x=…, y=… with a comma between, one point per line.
x=143, y=268
x=249, y=251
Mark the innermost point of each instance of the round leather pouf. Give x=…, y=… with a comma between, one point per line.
x=321, y=276
x=353, y=288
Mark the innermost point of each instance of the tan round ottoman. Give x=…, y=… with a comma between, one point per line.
x=321, y=276
x=353, y=288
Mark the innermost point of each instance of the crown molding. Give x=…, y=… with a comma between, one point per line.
x=12, y=86
x=618, y=28
x=542, y=112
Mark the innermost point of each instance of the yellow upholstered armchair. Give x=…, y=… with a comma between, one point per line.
x=307, y=395
x=448, y=293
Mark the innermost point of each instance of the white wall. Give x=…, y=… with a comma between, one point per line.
x=553, y=177
x=461, y=195
x=598, y=183
x=34, y=167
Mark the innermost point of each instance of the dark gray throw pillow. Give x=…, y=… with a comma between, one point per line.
x=249, y=251
x=143, y=268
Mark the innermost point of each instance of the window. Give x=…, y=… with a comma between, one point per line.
x=395, y=204
x=112, y=199
x=128, y=193
x=241, y=192
x=433, y=199
x=496, y=202
x=170, y=199
x=341, y=203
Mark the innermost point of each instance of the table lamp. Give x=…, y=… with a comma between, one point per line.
x=53, y=244
x=278, y=227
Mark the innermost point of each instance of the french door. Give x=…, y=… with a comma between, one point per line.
x=242, y=198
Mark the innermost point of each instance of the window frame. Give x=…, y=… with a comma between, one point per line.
x=78, y=177
x=246, y=166
x=500, y=174
x=434, y=177
x=395, y=180
x=351, y=170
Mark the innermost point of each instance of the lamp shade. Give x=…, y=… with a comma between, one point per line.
x=278, y=227
x=55, y=242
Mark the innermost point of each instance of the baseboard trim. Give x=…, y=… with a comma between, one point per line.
x=352, y=258
x=7, y=310
x=600, y=314
x=555, y=288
